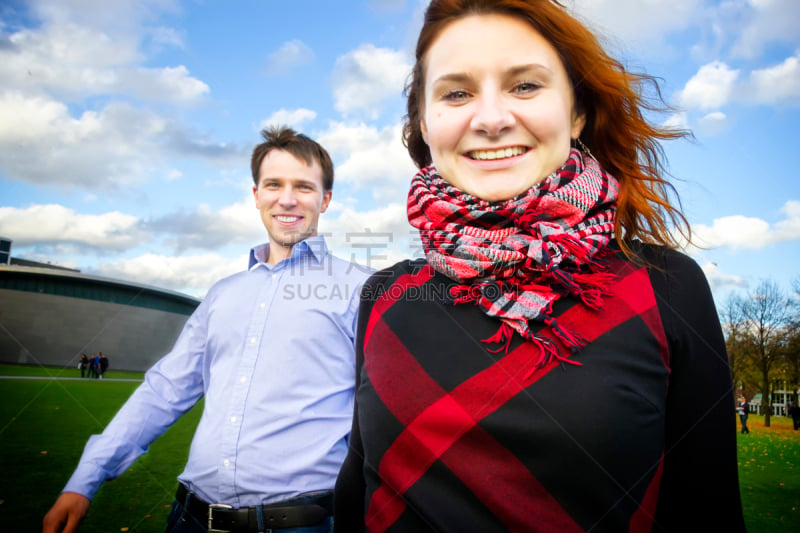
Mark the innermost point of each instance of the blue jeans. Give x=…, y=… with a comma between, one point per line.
x=180, y=521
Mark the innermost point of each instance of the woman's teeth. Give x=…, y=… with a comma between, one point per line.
x=483, y=155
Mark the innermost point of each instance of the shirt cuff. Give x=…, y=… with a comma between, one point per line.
x=86, y=480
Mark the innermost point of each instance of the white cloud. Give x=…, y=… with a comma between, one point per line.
x=747, y=27
x=294, y=118
x=191, y=274
x=789, y=228
x=41, y=143
x=741, y=232
x=713, y=123
x=119, y=145
x=716, y=85
x=63, y=228
x=366, y=78
x=377, y=238
x=205, y=228
x=710, y=88
x=637, y=22
x=119, y=15
x=371, y=158
x=66, y=59
x=765, y=22
x=676, y=121
x=779, y=84
x=736, y=231
x=174, y=175
x=291, y=54
x=166, y=36
x=719, y=280
x=169, y=84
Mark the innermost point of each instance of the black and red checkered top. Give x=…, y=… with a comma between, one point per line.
x=451, y=436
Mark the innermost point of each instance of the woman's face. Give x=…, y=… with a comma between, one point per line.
x=498, y=111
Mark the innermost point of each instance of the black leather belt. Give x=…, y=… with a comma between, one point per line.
x=222, y=518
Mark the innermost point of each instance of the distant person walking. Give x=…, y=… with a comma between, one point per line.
x=94, y=364
x=84, y=364
x=102, y=362
x=794, y=412
x=90, y=367
x=744, y=410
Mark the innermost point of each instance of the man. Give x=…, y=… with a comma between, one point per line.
x=744, y=411
x=102, y=363
x=794, y=412
x=275, y=366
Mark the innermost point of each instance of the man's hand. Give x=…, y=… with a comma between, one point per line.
x=66, y=514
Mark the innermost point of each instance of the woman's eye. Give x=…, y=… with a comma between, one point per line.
x=525, y=87
x=456, y=95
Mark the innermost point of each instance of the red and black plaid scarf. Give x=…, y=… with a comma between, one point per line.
x=515, y=258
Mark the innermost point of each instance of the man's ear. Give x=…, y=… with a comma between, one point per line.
x=326, y=200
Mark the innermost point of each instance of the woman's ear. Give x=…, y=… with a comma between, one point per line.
x=578, y=122
x=423, y=129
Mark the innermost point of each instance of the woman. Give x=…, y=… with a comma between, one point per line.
x=554, y=364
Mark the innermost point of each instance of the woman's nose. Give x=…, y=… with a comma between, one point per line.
x=492, y=114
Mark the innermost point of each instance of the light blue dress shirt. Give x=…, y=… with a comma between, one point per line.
x=272, y=350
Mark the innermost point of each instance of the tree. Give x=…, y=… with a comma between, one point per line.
x=791, y=360
x=734, y=327
x=793, y=345
x=767, y=313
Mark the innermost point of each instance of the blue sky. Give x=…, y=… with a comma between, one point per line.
x=126, y=126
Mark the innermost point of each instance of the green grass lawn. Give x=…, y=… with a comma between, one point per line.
x=769, y=475
x=44, y=425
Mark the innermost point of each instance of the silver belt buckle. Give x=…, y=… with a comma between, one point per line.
x=211, y=508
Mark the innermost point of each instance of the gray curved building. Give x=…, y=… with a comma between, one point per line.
x=50, y=316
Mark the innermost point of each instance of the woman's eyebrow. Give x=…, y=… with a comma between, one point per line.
x=462, y=77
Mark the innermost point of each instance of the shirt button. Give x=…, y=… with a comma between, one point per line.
x=226, y=462
x=233, y=420
x=262, y=306
x=243, y=379
x=252, y=340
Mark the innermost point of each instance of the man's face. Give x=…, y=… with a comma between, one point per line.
x=290, y=197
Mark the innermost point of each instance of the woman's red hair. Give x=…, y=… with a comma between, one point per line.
x=610, y=97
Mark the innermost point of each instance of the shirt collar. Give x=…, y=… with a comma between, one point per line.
x=314, y=247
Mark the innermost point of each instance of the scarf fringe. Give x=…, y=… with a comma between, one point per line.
x=503, y=335
x=548, y=350
x=593, y=287
x=465, y=294
x=573, y=246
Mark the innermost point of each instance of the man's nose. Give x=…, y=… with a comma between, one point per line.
x=287, y=196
